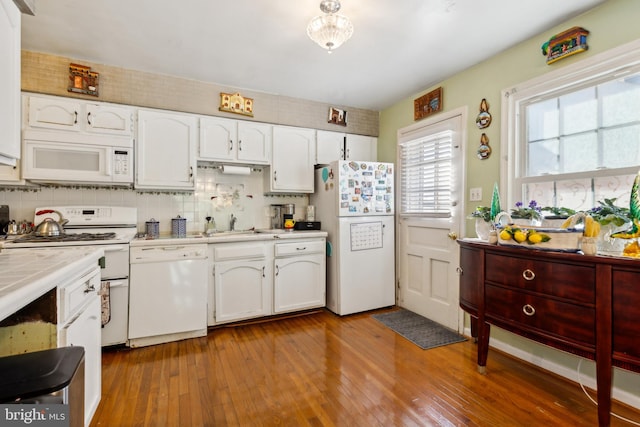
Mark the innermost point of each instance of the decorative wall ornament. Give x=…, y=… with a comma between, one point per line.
x=427, y=104
x=484, y=118
x=236, y=103
x=83, y=80
x=484, y=151
x=567, y=43
x=337, y=116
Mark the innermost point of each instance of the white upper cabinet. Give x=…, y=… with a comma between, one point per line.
x=292, y=159
x=234, y=141
x=331, y=146
x=361, y=148
x=254, y=142
x=9, y=82
x=76, y=115
x=166, y=150
x=107, y=118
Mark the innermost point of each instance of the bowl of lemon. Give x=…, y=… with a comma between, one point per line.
x=547, y=239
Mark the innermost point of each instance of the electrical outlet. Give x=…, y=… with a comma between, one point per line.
x=475, y=194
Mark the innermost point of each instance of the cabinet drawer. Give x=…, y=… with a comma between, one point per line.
x=546, y=317
x=299, y=247
x=569, y=281
x=229, y=251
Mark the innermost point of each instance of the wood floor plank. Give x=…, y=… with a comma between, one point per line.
x=324, y=370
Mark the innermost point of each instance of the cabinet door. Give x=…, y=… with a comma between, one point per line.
x=110, y=119
x=470, y=280
x=626, y=317
x=241, y=290
x=361, y=148
x=218, y=139
x=54, y=113
x=254, y=142
x=329, y=147
x=293, y=156
x=85, y=332
x=9, y=81
x=299, y=283
x=165, y=150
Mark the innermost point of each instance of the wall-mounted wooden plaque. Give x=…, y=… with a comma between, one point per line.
x=427, y=104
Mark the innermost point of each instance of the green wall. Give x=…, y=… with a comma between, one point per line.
x=610, y=25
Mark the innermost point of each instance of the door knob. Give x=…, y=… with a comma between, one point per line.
x=453, y=235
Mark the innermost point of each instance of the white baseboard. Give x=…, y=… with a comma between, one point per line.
x=586, y=379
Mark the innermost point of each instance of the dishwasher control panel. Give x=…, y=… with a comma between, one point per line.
x=168, y=253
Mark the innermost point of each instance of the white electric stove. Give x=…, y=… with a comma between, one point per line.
x=111, y=227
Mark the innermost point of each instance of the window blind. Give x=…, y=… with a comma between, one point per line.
x=426, y=175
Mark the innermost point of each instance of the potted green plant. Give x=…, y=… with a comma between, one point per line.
x=532, y=213
x=557, y=212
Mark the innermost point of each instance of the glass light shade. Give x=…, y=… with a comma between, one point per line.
x=330, y=30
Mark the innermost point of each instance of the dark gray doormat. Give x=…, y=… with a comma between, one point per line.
x=419, y=330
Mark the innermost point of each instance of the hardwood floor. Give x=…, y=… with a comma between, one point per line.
x=323, y=370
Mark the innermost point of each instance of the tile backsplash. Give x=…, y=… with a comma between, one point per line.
x=217, y=195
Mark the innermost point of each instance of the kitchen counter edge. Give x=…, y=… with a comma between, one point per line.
x=229, y=238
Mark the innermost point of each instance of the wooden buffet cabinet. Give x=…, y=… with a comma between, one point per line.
x=585, y=305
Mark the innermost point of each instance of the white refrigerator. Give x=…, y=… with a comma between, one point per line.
x=354, y=203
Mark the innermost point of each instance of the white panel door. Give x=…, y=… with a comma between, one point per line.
x=428, y=254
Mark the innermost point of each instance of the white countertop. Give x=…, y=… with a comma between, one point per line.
x=28, y=274
x=228, y=237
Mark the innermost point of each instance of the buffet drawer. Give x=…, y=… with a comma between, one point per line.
x=575, y=283
x=547, y=317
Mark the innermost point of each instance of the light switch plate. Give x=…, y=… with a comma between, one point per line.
x=475, y=194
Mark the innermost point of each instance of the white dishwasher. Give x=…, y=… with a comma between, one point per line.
x=167, y=293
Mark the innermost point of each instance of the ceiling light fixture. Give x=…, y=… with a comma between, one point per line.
x=330, y=30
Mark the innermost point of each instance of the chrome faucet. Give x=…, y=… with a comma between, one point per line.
x=232, y=223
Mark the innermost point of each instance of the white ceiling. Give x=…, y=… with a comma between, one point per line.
x=399, y=47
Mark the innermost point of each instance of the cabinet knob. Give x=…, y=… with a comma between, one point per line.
x=460, y=271
x=453, y=235
x=528, y=274
x=528, y=310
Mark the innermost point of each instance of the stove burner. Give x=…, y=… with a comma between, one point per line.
x=79, y=237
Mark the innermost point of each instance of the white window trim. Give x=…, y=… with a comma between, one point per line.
x=621, y=59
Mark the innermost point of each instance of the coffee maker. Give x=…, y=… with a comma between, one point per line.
x=288, y=210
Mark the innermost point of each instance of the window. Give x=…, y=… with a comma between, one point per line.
x=574, y=134
x=425, y=177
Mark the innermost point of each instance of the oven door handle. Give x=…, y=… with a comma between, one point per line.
x=116, y=283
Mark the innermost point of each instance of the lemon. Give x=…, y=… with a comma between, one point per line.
x=535, y=238
x=505, y=235
x=520, y=236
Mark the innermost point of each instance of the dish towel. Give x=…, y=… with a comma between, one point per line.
x=105, y=297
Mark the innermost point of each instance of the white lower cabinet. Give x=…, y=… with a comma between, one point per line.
x=241, y=281
x=299, y=275
x=260, y=278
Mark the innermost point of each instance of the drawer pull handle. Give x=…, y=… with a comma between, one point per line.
x=528, y=310
x=528, y=274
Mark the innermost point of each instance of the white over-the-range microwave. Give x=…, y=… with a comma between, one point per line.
x=65, y=157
